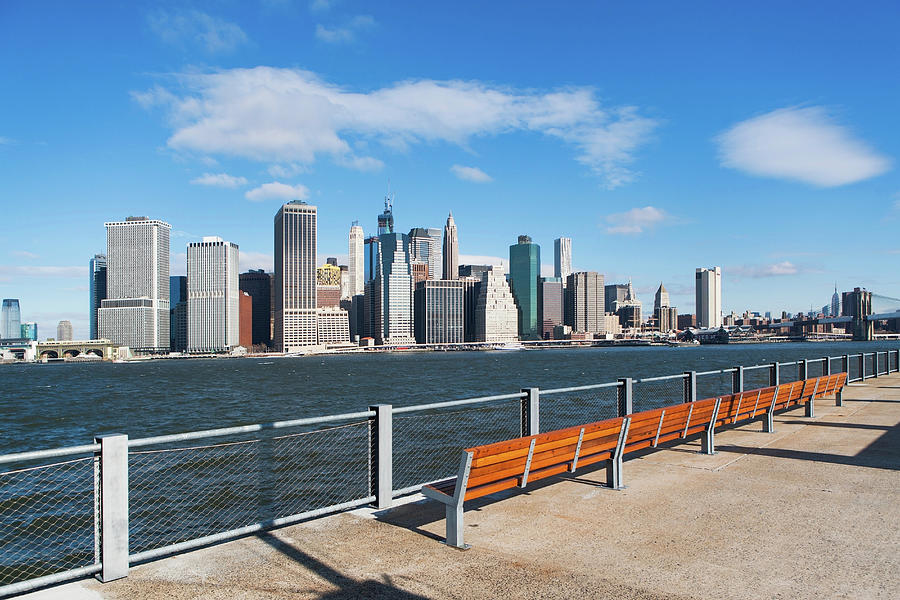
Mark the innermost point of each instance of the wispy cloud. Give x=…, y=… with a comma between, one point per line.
x=220, y=180
x=7, y=271
x=799, y=143
x=287, y=171
x=321, y=5
x=345, y=33
x=306, y=117
x=24, y=254
x=256, y=260
x=637, y=220
x=181, y=28
x=473, y=174
x=5, y=141
x=277, y=191
x=758, y=271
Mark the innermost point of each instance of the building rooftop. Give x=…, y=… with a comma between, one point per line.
x=807, y=512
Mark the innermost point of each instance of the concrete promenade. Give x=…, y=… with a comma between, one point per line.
x=811, y=511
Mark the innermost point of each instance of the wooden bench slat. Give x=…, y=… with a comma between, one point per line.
x=491, y=488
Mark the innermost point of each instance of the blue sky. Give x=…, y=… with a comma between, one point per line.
x=660, y=136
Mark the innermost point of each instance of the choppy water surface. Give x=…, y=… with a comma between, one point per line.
x=50, y=405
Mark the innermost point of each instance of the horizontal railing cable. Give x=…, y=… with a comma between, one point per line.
x=418, y=407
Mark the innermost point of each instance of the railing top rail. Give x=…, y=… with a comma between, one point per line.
x=757, y=367
x=579, y=388
x=715, y=372
x=787, y=364
x=51, y=453
x=663, y=378
x=418, y=407
x=193, y=435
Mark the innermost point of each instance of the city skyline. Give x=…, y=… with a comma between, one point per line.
x=647, y=185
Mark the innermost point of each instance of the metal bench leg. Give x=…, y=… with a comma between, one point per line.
x=455, y=526
x=811, y=408
x=708, y=442
x=614, y=473
x=769, y=422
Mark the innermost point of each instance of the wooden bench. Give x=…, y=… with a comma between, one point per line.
x=515, y=463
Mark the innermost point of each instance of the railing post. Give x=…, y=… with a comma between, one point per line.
x=737, y=380
x=690, y=386
x=803, y=369
x=897, y=360
x=875, y=364
x=531, y=411
x=381, y=471
x=845, y=365
x=826, y=366
x=774, y=374
x=862, y=366
x=625, y=396
x=113, y=505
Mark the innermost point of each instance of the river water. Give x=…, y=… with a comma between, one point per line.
x=51, y=405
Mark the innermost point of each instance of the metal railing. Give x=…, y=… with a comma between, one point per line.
x=97, y=508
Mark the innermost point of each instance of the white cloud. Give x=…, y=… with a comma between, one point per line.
x=473, y=174
x=292, y=116
x=321, y=5
x=278, y=191
x=346, y=33
x=177, y=263
x=758, y=271
x=636, y=220
x=803, y=144
x=24, y=254
x=7, y=271
x=220, y=180
x=213, y=34
x=6, y=141
x=256, y=260
x=287, y=171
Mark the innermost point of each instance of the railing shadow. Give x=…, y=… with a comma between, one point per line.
x=347, y=586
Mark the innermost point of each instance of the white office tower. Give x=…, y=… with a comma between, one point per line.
x=64, y=331
x=562, y=257
x=394, y=290
x=451, y=250
x=135, y=312
x=356, y=266
x=295, y=277
x=213, y=310
x=496, y=315
x=709, y=297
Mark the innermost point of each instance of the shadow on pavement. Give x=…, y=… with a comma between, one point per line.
x=347, y=587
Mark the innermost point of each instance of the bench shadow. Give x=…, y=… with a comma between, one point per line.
x=347, y=586
x=833, y=424
x=883, y=453
x=415, y=515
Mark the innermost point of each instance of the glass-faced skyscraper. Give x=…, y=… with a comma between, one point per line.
x=10, y=319
x=295, y=276
x=393, y=290
x=97, y=273
x=524, y=271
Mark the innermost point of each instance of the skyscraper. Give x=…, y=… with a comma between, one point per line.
x=178, y=303
x=835, y=303
x=562, y=257
x=135, y=312
x=708, y=292
x=662, y=297
x=393, y=318
x=496, y=314
x=370, y=258
x=356, y=266
x=10, y=319
x=295, y=276
x=97, y=274
x=524, y=271
x=425, y=247
x=450, y=265
x=666, y=316
x=386, y=219
x=440, y=312
x=29, y=331
x=258, y=284
x=585, y=297
x=551, y=305
x=64, y=331
x=213, y=296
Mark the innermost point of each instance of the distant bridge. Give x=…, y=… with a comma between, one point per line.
x=883, y=308
x=70, y=349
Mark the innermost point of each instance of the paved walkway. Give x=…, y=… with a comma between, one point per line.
x=811, y=511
